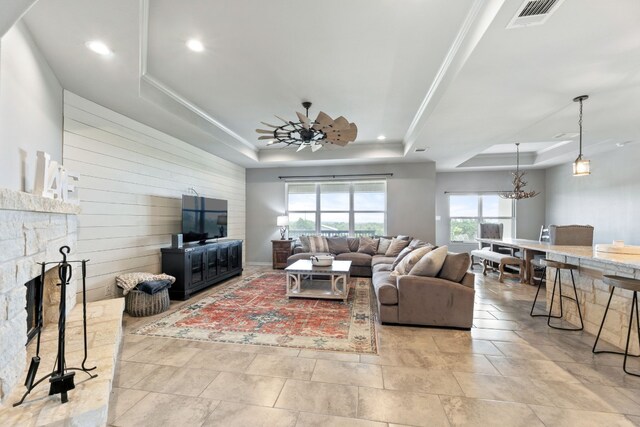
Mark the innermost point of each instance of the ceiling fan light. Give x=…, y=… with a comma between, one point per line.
x=581, y=167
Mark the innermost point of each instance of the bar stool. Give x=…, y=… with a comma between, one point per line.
x=557, y=281
x=631, y=285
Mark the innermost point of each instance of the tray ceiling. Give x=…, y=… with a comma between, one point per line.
x=441, y=75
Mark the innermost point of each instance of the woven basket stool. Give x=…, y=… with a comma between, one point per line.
x=141, y=304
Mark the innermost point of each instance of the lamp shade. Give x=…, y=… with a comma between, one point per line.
x=581, y=167
x=282, y=221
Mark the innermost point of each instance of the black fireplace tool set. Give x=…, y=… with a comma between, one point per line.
x=61, y=378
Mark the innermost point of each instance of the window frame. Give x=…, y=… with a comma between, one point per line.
x=351, y=211
x=480, y=217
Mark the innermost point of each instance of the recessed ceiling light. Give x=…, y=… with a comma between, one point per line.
x=195, y=45
x=99, y=47
x=381, y=137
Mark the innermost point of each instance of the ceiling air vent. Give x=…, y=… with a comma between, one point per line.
x=534, y=12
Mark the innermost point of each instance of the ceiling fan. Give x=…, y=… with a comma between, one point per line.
x=310, y=133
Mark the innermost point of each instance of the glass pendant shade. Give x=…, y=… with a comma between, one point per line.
x=581, y=167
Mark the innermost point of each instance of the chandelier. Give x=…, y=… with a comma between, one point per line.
x=581, y=166
x=519, y=183
x=310, y=133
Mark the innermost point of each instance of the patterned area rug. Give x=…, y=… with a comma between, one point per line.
x=255, y=310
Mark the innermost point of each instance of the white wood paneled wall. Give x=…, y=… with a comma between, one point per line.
x=132, y=178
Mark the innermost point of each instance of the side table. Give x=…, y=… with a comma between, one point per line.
x=281, y=250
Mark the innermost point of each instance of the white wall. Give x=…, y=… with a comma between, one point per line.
x=530, y=212
x=410, y=201
x=608, y=199
x=30, y=109
x=132, y=179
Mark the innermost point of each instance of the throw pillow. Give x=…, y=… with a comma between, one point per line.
x=403, y=253
x=430, y=264
x=455, y=267
x=407, y=263
x=368, y=245
x=318, y=244
x=383, y=245
x=304, y=241
x=338, y=245
x=354, y=243
x=417, y=243
x=396, y=246
x=403, y=237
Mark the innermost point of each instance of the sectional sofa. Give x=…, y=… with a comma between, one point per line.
x=444, y=299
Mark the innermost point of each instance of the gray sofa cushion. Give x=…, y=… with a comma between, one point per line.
x=368, y=245
x=403, y=253
x=314, y=244
x=396, y=246
x=380, y=267
x=455, y=267
x=338, y=245
x=383, y=245
x=417, y=243
x=354, y=243
x=381, y=259
x=430, y=264
x=385, y=286
x=412, y=258
x=356, y=258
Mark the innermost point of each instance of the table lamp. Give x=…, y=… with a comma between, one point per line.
x=282, y=222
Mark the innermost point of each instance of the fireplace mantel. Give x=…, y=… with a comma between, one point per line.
x=20, y=201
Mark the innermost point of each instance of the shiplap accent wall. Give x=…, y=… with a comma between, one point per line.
x=132, y=178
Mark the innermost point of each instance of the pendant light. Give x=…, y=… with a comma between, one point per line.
x=519, y=183
x=581, y=166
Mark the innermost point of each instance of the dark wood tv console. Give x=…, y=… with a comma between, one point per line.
x=198, y=266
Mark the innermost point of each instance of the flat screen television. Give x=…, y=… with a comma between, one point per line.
x=203, y=218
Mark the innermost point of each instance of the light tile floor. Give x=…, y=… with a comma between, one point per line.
x=509, y=370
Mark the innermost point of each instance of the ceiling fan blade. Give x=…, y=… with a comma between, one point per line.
x=353, y=128
x=285, y=121
x=339, y=142
x=340, y=123
x=315, y=147
x=306, y=123
x=266, y=137
x=323, y=120
x=342, y=134
x=270, y=125
x=302, y=147
x=264, y=131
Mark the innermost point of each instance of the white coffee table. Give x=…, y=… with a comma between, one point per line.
x=307, y=281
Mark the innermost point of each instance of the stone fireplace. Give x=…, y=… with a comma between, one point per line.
x=32, y=229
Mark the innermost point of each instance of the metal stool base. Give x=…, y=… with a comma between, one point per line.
x=557, y=281
x=634, y=308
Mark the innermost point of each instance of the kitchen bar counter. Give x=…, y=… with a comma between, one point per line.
x=593, y=294
x=582, y=252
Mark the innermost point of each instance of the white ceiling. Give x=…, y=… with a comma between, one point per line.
x=426, y=73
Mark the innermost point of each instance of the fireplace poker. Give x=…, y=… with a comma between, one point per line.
x=84, y=314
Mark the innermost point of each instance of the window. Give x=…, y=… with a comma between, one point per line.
x=337, y=208
x=466, y=211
